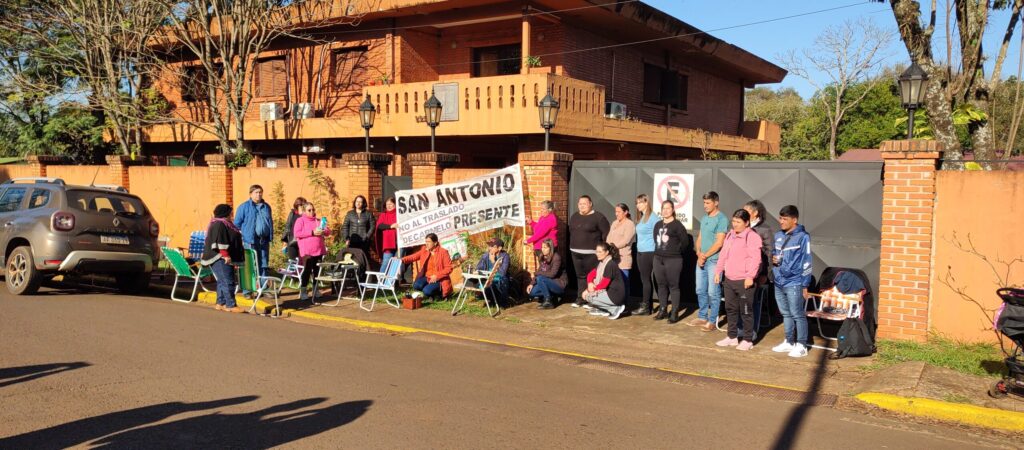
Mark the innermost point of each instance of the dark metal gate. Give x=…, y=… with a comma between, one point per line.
x=390, y=185
x=840, y=202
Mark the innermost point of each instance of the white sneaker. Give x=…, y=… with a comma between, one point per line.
x=784, y=347
x=799, y=351
x=617, y=312
x=599, y=312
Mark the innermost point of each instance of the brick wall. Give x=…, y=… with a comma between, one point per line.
x=907, y=219
x=546, y=177
x=428, y=168
x=417, y=56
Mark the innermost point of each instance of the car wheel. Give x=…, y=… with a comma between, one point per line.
x=22, y=276
x=132, y=283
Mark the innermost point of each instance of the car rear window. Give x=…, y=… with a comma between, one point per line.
x=111, y=202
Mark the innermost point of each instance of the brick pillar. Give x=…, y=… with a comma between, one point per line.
x=256, y=161
x=38, y=164
x=221, y=179
x=908, y=205
x=118, y=166
x=545, y=177
x=428, y=168
x=366, y=173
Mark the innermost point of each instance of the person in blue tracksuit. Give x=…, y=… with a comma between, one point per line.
x=255, y=219
x=791, y=261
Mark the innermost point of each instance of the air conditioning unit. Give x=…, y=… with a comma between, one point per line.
x=317, y=146
x=270, y=111
x=302, y=111
x=615, y=110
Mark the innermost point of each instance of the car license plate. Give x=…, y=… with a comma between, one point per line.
x=116, y=240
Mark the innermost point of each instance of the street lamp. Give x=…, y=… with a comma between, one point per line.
x=913, y=82
x=367, y=112
x=433, y=109
x=548, y=107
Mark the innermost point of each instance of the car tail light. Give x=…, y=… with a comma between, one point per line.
x=63, y=221
x=154, y=228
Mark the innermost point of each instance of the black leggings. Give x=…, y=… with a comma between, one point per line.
x=645, y=261
x=667, y=271
x=309, y=269
x=582, y=264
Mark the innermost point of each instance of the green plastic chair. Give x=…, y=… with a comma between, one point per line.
x=249, y=279
x=186, y=271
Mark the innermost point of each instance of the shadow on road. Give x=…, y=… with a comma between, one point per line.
x=15, y=375
x=787, y=437
x=137, y=428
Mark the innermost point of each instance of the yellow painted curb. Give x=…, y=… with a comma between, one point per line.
x=211, y=298
x=957, y=412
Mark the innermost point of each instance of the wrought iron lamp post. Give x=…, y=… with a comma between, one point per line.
x=367, y=112
x=913, y=83
x=433, y=109
x=548, y=108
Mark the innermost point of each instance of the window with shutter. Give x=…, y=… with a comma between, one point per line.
x=271, y=77
x=665, y=87
x=497, y=60
x=348, y=69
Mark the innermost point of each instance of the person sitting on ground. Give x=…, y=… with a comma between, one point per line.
x=737, y=267
x=309, y=233
x=433, y=276
x=222, y=250
x=550, y=279
x=606, y=287
x=496, y=259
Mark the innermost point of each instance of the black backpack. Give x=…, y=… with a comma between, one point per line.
x=854, y=340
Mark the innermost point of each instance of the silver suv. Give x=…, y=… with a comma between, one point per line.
x=50, y=228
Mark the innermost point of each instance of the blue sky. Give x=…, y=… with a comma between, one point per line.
x=770, y=40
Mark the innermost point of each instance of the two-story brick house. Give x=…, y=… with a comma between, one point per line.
x=633, y=83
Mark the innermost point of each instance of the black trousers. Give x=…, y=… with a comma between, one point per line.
x=667, y=272
x=582, y=264
x=739, y=306
x=645, y=262
x=309, y=269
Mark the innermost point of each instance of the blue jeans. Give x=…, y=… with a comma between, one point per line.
x=428, y=289
x=794, y=312
x=546, y=288
x=709, y=293
x=225, y=274
x=384, y=259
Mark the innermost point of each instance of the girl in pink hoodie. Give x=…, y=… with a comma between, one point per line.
x=310, y=238
x=739, y=261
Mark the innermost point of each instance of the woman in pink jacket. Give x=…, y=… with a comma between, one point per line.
x=309, y=235
x=544, y=228
x=739, y=262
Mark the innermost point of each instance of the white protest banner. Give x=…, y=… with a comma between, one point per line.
x=677, y=187
x=475, y=205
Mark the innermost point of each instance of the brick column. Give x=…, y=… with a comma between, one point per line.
x=221, y=179
x=38, y=164
x=366, y=173
x=545, y=177
x=428, y=168
x=256, y=161
x=118, y=166
x=908, y=205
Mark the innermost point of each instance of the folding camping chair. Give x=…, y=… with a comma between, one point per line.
x=476, y=281
x=183, y=270
x=832, y=305
x=292, y=271
x=386, y=280
x=196, y=241
x=336, y=274
x=249, y=279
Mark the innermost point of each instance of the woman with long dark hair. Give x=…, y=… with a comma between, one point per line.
x=606, y=286
x=550, y=279
x=357, y=229
x=288, y=237
x=671, y=240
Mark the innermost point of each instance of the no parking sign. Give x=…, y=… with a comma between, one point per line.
x=678, y=188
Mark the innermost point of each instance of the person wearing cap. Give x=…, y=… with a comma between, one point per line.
x=496, y=259
x=221, y=252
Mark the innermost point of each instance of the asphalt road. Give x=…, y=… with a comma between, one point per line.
x=97, y=370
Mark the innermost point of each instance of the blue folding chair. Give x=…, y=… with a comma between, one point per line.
x=386, y=280
x=196, y=241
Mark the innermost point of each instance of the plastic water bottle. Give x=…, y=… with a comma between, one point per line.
x=323, y=223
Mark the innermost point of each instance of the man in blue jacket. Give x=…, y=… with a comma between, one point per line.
x=791, y=261
x=255, y=220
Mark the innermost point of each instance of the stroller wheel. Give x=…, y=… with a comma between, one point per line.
x=998, y=389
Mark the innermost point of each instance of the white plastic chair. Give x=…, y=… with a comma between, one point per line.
x=292, y=270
